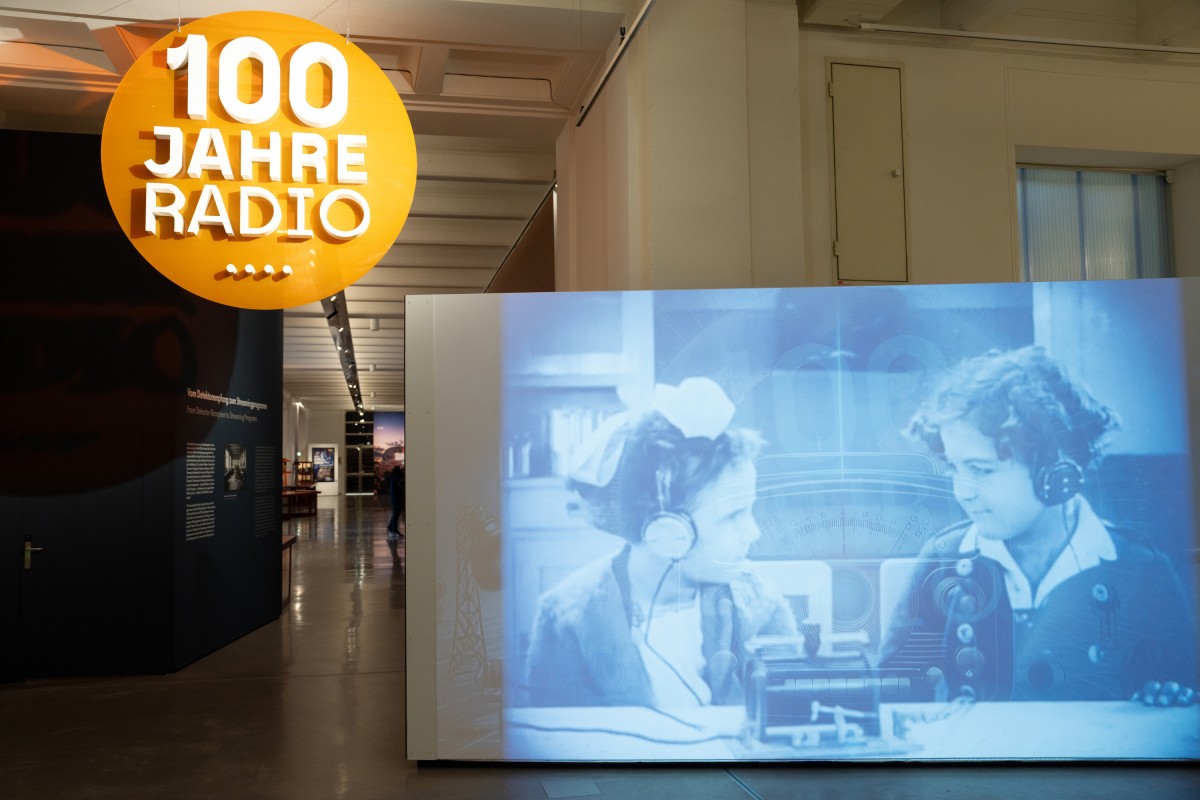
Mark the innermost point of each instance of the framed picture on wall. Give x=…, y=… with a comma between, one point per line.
x=389, y=446
x=235, y=467
x=324, y=461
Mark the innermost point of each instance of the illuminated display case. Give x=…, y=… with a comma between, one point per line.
x=304, y=473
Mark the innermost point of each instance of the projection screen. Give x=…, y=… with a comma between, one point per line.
x=889, y=523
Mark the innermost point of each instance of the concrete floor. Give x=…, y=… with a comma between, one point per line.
x=312, y=706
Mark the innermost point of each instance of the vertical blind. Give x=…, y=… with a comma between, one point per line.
x=1090, y=225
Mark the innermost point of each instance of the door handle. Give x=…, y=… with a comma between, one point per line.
x=30, y=551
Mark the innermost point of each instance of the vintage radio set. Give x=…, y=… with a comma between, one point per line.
x=949, y=639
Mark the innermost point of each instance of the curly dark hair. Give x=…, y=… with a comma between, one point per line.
x=655, y=446
x=1026, y=402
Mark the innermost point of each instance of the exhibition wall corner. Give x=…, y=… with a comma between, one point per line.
x=142, y=469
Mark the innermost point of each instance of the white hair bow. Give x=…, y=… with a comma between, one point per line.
x=698, y=407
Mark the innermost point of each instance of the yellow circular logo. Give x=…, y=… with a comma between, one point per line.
x=258, y=160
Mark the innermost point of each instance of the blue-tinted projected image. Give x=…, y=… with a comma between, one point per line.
x=871, y=522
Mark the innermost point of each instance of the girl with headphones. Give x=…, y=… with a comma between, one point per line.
x=664, y=622
x=1098, y=612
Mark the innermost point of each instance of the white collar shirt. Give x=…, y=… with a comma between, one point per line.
x=1090, y=545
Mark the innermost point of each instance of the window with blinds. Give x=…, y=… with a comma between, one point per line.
x=1093, y=224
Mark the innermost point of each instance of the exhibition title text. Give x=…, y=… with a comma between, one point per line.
x=309, y=158
x=200, y=394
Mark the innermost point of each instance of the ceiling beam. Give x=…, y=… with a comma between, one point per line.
x=431, y=70
x=845, y=12
x=977, y=15
x=1174, y=23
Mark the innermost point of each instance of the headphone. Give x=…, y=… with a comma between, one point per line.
x=1058, y=483
x=668, y=534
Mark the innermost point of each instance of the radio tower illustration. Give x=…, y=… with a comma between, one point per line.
x=478, y=559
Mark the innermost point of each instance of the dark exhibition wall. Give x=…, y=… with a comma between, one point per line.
x=142, y=470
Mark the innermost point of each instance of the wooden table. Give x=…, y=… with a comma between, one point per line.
x=299, y=502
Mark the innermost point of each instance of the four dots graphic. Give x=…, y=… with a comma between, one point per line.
x=267, y=270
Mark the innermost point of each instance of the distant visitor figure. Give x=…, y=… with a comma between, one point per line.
x=396, y=490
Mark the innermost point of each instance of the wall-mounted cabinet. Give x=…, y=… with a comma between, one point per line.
x=870, y=237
